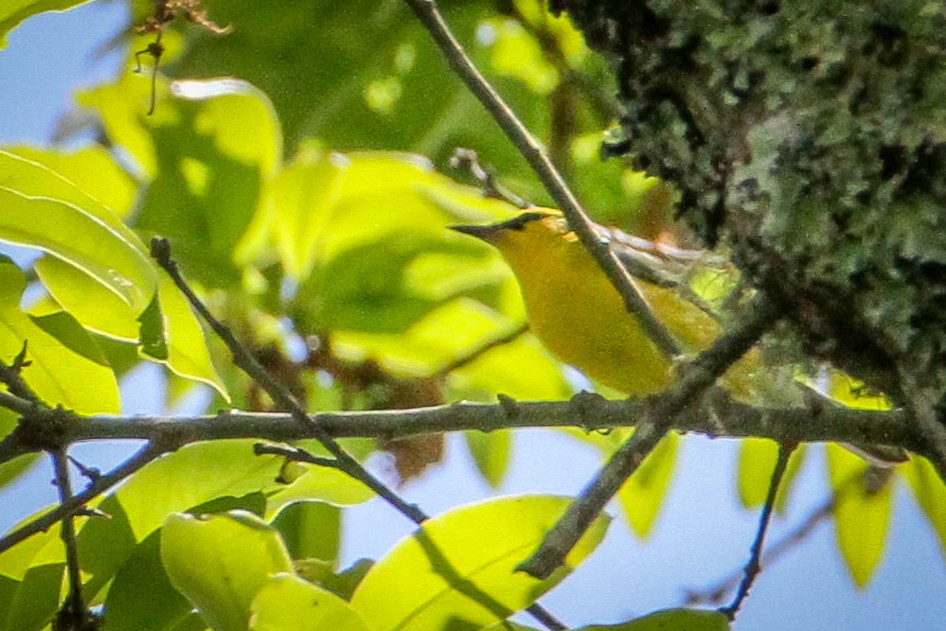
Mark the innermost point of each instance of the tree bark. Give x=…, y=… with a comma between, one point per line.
x=806, y=137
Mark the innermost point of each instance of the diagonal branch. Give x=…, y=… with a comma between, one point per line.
x=72, y=505
x=161, y=250
x=532, y=150
x=656, y=420
x=280, y=394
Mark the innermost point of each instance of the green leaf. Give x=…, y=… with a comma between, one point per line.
x=319, y=483
x=670, y=620
x=930, y=493
x=66, y=368
x=92, y=169
x=44, y=548
x=521, y=369
x=45, y=210
x=300, y=200
x=35, y=599
x=289, y=602
x=757, y=457
x=88, y=301
x=491, y=453
x=345, y=582
x=643, y=494
x=516, y=53
x=212, y=159
x=121, y=106
x=325, y=204
x=369, y=288
x=80, y=239
x=194, y=476
x=141, y=597
x=311, y=530
x=361, y=97
x=861, y=515
x=220, y=562
x=459, y=567
x=15, y=11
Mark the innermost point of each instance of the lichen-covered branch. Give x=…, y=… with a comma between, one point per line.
x=809, y=138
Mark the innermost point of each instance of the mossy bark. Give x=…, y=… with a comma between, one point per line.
x=808, y=137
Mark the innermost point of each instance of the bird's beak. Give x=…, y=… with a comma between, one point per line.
x=486, y=233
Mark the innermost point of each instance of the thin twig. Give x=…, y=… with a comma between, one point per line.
x=294, y=454
x=15, y=403
x=822, y=511
x=753, y=567
x=482, y=349
x=532, y=150
x=468, y=160
x=161, y=251
x=73, y=614
x=656, y=420
x=12, y=375
x=76, y=502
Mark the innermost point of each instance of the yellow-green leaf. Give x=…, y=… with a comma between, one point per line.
x=670, y=620
x=91, y=303
x=66, y=368
x=757, y=457
x=92, y=169
x=930, y=493
x=288, y=602
x=461, y=566
x=319, y=483
x=220, y=562
x=81, y=239
x=491, y=452
x=188, y=355
x=861, y=515
x=642, y=495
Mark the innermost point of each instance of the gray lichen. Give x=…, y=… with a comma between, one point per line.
x=810, y=138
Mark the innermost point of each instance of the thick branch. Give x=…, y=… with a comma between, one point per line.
x=713, y=416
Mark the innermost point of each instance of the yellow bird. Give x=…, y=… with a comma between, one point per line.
x=579, y=316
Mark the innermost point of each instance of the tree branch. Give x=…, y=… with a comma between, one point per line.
x=280, y=394
x=72, y=614
x=161, y=250
x=97, y=487
x=693, y=378
x=719, y=417
x=532, y=150
x=754, y=566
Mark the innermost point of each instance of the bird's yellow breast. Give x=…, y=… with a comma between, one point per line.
x=579, y=316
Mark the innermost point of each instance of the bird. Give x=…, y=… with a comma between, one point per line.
x=578, y=315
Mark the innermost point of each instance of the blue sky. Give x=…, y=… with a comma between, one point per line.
x=701, y=534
